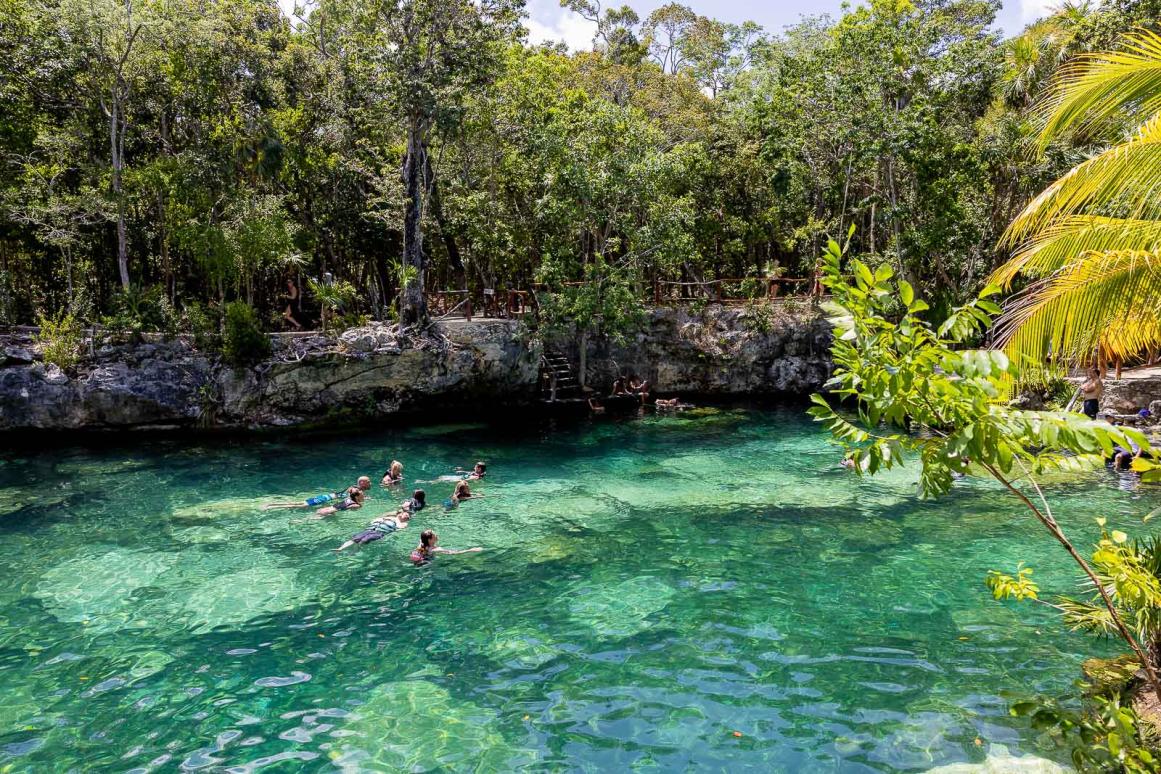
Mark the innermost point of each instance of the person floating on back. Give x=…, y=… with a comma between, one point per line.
x=352, y=502
x=380, y=527
x=394, y=474
x=429, y=546
x=363, y=484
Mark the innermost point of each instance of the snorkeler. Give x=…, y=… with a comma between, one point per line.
x=429, y=546
x=353, y=501
x=394, y=474
x=380, y=527
x=362, y=484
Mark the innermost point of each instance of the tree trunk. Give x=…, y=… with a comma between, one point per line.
x=414, y=307
x=116, y=145
x=584, y=360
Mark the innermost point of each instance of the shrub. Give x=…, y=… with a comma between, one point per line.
x=204, y=324
x=61, y=340
x=140, y=310
x=243, y=340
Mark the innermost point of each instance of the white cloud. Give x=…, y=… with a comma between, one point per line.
x=1031, y=10
x=548, y=22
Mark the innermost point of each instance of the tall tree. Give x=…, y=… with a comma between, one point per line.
x=432, y=55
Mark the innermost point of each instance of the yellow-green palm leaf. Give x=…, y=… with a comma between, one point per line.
x=1052, y=248
x=1111, y=300
x=1092, y=239
x=1097, y=89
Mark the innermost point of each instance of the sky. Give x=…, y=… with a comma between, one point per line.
x=547, y=21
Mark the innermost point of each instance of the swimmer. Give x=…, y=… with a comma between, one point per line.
x=672, y=403
x=380, y=527
x=352, y=502
x=429, y=546
x=362, y=484
x=394, y=474
x=478, y=472
x=847, y=463
x=462, y=492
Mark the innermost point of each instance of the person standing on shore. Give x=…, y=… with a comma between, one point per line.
x=1091, y=390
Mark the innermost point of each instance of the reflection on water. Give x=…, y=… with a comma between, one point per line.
x=705, y=591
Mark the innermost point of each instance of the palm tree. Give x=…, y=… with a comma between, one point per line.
x=1091, y=242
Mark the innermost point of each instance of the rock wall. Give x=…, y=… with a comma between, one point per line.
x=722, y=351
x=368, y=372
x=373, y=373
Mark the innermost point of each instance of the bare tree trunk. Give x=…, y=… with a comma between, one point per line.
x=414, y=307
x=584, y=360
x=116, y=145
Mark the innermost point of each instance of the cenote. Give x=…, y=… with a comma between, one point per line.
x=704, y=592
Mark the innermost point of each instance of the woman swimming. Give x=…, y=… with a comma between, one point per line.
x=462, y=492
x=429, y=546
x=394, y=474
x=362, y=484
x=353, y=501
x=380, y=527
x=477, y=472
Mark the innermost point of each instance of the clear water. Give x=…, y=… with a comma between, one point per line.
x=655, y=594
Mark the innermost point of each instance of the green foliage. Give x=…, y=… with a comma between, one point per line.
x=204, y=324
x=760, y=316
x=604, y=304
x=335, y=297
x=1018, y=587
x=913, y=389
x=243, y=340
x=902, y=374
x=1106, y=736
x=61, y=339
x=139, y=310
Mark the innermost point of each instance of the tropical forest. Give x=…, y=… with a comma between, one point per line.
x=766, y=395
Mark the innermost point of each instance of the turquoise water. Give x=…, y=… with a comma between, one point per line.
x=655, y=594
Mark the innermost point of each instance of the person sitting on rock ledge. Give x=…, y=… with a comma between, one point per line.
x=639, y=387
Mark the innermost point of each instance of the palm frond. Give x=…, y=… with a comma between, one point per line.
x=1050, y=250
x=1098, y=89
x=1106, y=300
x=1123, y=181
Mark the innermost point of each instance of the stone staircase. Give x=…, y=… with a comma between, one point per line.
x=557, y=381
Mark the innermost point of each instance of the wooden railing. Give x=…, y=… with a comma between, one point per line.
x=505, y=304
x=720, y=290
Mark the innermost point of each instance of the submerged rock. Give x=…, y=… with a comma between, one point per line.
x=1000, y=761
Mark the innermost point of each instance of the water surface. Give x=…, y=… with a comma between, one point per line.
x=656, y=594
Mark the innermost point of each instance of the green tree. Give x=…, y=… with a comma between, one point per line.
x=913, y=389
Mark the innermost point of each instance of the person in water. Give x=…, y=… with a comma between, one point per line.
x=394, y=474
x=429, y=546
x=380, y=527
x=462, y=492
x=479, y=471
x=352, y=502
x=362, y=484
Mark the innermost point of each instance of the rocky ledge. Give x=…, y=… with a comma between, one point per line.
x=365, y=372
x=374, y=372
